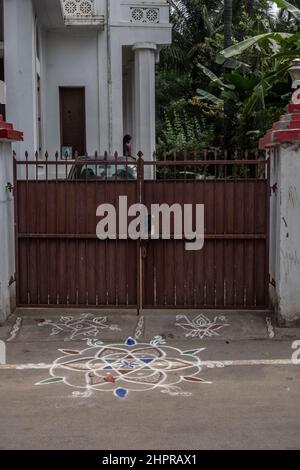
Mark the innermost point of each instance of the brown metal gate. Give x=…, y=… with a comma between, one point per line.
x=60, y=261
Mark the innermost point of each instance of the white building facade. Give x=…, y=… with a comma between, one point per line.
x=80, y=74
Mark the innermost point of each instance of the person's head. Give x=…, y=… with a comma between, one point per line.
x=126, y=141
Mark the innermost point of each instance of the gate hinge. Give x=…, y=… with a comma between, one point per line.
x=12, y=280
x=273, y=189
x=273, y=282
x=9, y=187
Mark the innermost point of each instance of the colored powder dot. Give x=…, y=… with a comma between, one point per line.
x=130, y=342
x=121, y=392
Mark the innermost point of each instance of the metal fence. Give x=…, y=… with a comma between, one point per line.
x=61, y=262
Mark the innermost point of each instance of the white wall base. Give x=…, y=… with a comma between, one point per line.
x=285, y=233
x=7, y=263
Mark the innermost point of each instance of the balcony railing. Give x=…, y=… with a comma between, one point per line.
x=81, y=13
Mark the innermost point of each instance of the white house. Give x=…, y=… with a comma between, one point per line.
x=81, y=73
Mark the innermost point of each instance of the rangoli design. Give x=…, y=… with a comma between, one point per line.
x=79, y=327
x=125, y=368
x=15, y=329
x=201, y=326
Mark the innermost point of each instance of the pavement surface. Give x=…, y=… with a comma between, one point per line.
x=165, y=380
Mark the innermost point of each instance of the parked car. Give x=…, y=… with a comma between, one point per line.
x=121, y=169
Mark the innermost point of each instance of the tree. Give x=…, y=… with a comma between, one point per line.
x=250, y=6
x=201, y=86
x=227, y=23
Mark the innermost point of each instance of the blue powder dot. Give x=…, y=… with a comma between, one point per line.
x=130, y=342
x=121, y=392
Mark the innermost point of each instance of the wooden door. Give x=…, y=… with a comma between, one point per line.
x=72, y=118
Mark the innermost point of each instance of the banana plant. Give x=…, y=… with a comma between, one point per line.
x=283, y=46
x=292, y=9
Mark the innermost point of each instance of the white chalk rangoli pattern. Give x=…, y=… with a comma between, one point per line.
x=79, y=327
x=15, y=330
x=270, y=328
x=139, y=331
x=124, y=368
x=201, y=326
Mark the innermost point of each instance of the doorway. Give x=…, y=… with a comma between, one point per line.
x=72, y=119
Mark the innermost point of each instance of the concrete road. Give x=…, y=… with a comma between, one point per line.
x=186, y=393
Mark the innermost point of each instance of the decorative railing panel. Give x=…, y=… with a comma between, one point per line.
x=78, y=8
x=144, y=15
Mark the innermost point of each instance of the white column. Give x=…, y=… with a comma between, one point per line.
x=125, y=102
x=7, y=235
x=116, y=133
x=127, y=99
x=132, y=105
x=20, y=75
x=103, y=106
x=7, y=268
x=285, y=232
x=144, y=131
x=283, y=142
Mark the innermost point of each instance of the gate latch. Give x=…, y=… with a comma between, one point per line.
x=9, y=187
x=274, y=188
x=12, y=280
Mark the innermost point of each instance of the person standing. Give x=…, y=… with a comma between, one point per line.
x=127, y=146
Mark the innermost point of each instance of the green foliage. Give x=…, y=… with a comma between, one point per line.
x=182, y=132
x=292, y=9
x=239, y=48
x=235, y=95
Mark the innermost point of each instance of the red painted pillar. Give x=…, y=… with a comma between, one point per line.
x=283, y=144
x=8, y=135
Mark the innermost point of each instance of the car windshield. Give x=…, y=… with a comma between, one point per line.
x=109, y=171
